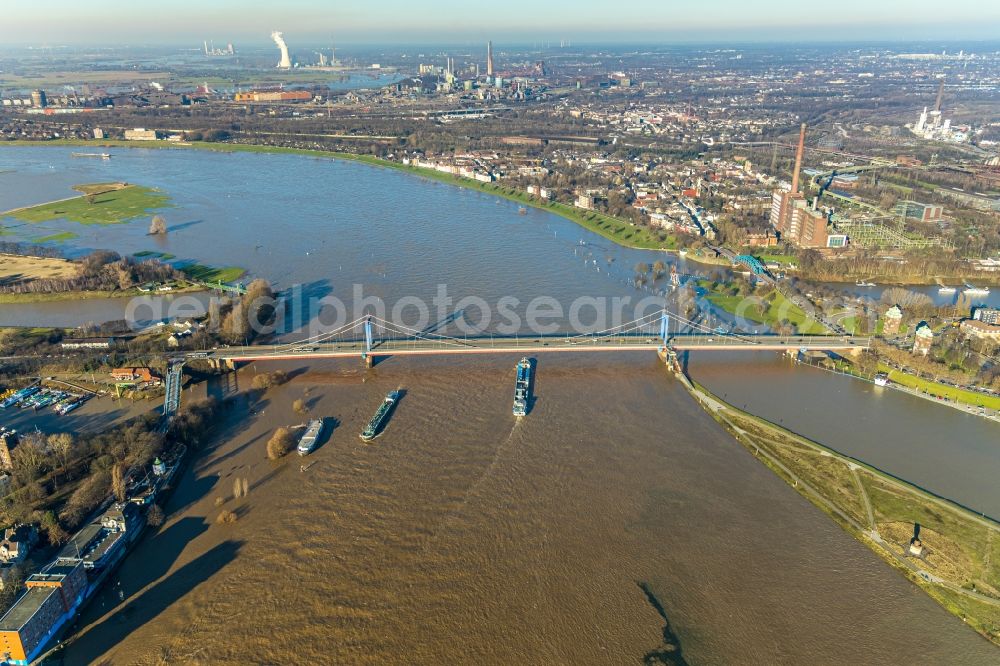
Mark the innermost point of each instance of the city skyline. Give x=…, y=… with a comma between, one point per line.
x=521, y=21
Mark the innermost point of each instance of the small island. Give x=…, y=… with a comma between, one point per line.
x=97, y=203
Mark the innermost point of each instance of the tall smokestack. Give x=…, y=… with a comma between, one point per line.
x=489, y=58
x=798, y=159
x=937, y=105
x=285, y=62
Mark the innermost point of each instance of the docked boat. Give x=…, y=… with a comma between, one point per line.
x=311, y=437
x=374, y=427
x=103, y=156
x=945, y=289
x=974, y=290
x=881, y=379
x=521, y=387
x=862, y=283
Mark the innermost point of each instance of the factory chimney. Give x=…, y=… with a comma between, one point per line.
x=798, y=159
x=937, y=104
x=489, y=58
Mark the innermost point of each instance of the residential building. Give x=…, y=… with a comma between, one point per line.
x=17, y=543
x=980, y=329
x=141, y=134
x=892, y=321
x=87, y=343
x=923, y=339
x=761, y=238
x=52, y=597
x=139, y=374
x=986, y=315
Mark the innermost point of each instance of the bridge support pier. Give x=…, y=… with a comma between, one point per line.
x=369, y=360
x=222, y=364
x=669, y=358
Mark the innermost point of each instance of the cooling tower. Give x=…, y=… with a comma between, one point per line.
x=285, y=62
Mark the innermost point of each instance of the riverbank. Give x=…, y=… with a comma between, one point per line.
x=955, y=560
x=48, y=297
x=26, y=268
x=934, y=390
x=979, y=404
x=621, y=232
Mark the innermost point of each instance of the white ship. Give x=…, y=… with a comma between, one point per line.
x=311, y=437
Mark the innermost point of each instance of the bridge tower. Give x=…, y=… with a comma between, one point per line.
x=366, y=354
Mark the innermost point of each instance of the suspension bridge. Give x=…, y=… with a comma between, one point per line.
x=370, y=337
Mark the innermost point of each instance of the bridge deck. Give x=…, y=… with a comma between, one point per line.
x=533, y=345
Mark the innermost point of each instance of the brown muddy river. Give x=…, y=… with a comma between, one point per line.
x=461, y=536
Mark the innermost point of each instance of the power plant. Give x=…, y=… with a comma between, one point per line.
x=211, y=51
x=285, y=62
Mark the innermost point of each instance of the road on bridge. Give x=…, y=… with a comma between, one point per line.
x=533, y=345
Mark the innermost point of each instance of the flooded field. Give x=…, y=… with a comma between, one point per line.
x=463, y=536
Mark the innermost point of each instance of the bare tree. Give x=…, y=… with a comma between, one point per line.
x=280, y=443
x=61, y=444
x=155, y=516
x=118, y=482
x=226, y=517
x=158, y=226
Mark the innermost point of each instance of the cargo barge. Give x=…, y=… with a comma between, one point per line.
x=374, y=427
x=522, y=386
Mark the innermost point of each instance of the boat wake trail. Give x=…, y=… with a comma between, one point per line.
x=500, y=453
x=488, y=472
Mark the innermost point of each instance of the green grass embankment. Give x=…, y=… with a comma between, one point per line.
x=770, y=310
x=212, y=274
x=55, y=238
x=111, y=206
x=962, y=556
x=940, y=390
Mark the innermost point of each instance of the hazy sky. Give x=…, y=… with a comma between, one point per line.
x=459, y=21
